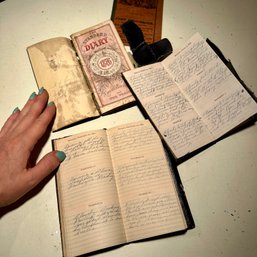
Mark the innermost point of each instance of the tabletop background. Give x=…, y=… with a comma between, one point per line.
x=220, y=182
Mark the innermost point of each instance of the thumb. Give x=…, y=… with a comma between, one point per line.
x=45, y=167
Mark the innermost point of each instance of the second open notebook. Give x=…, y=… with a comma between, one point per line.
x=116, y=186
x=192, y=97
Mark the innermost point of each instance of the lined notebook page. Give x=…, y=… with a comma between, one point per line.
x=210, y=86
x=191, y=96
x=89, y=205
x=148, y=197
x=177, y=121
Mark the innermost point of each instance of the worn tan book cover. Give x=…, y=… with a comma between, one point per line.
x=83, y=74
x=191, y=97
x=116, y=186
x=146, y=14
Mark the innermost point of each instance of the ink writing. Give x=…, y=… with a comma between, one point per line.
x=152, y=210
x=88, y=145
x=95, y=218
x=92, y=177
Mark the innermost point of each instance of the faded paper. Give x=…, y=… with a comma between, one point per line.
x=57, y=69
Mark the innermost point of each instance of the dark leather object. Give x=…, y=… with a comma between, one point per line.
x=144, y=53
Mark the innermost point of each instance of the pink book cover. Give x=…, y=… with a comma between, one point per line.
x=104, y=59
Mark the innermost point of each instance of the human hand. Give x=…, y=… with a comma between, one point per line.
x=18, y=137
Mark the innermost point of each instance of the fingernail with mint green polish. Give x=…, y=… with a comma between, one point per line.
x=50, y=103
x=41, y=90
x=16, y=110
x=60, y=155
x=32, y=96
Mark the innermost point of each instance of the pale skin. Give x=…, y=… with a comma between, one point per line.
x=18, y=136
